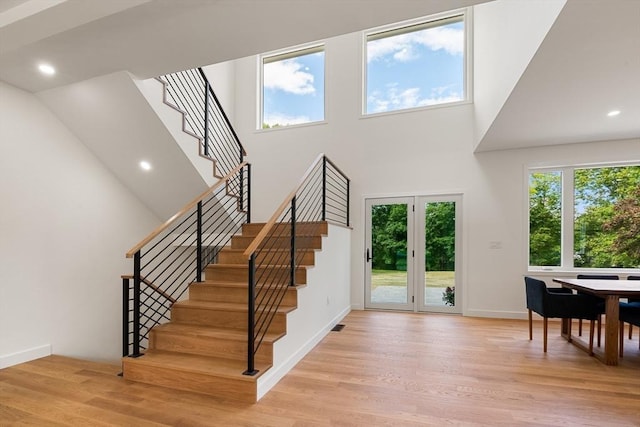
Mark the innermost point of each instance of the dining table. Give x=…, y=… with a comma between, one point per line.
x=610, y=291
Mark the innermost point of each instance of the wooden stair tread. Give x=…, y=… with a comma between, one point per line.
x=205, y=365
x=211, y=332
x=238, y=284
x=244, y=267
x=222, y=306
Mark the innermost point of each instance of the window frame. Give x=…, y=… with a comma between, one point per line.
x=290, y=53
x=404, y=28
x=567, y=218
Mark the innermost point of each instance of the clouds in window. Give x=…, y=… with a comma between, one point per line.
x=406, y=47
x=289, y=76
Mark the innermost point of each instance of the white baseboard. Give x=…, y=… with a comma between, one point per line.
x=357, y=307
x=271, y=377
x=23, y=356
x=496, y=314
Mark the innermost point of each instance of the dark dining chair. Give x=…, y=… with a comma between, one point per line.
x=597, y=277
x=632, y=300
x=559, y=303
x=629, y=313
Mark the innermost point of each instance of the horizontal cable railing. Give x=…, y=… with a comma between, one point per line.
x=191, y=92
x=276, y=252
x=176, y=253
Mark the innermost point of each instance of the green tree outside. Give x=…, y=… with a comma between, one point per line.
x=606, y=221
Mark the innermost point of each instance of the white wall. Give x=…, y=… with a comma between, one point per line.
x=421, y=152
x=321, y=305
x=507, y=34
x=65, y=226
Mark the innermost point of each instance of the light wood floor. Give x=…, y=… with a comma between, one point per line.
x=383, y=368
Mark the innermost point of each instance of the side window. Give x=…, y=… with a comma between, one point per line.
x=292, y=88
x=599, y=229
x=416, y=65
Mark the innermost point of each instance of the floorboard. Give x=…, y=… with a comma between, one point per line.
x=382, y=369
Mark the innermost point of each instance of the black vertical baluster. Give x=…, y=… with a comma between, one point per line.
x=206, y=117
x=241, y=190
x=251, y=317
x=125, y=316
x=199, y=243
x=249, y=193
x=324, y=188
x=293, y=242
x=348, y=185
x=136, y=305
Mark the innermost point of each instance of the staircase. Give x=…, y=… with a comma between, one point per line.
x=211, y=291
x=204, y=346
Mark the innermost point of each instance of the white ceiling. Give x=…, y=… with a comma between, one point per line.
x=588, y=63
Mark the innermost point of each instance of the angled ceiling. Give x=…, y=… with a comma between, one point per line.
x=89, y=38
x=588, y=63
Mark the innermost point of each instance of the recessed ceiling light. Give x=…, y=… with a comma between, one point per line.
x=613, y=113
x=46, y=69
x=144, y=165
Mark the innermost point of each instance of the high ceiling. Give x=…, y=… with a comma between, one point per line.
x=588, y=64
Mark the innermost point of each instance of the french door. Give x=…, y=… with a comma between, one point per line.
x=412, y=250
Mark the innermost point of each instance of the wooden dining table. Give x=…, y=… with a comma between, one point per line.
x=610, y=291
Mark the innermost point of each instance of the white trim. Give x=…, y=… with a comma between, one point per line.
x=496, y=314
x=267, y=381
x=24, y=356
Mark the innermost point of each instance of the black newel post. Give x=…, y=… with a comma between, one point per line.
x=293, y=242
x=136, y=305
x=324, y=188
x=199, y=244
x=251, y=370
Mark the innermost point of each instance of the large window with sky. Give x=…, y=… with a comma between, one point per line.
x=584, y=217
x=293, y=87
x=416, y=65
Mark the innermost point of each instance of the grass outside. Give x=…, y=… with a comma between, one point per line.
x=433, y=279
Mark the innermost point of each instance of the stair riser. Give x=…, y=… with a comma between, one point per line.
x=306, y=258
x=198, y=382
x=304, y=228
x=222, y=319
x=230, y=274
x=214, y=293
x=207, y=346
x=242, y=242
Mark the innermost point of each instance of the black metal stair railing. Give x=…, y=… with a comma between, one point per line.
x=191, y=92
x=175, y=255
x=275, y=254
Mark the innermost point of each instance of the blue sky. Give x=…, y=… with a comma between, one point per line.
x=416, y=69
x=294, y=90
x=404, y=71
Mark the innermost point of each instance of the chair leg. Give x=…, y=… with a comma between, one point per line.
x=630, y=331
x=579, y=327
x=591, y=332
x=621, y=343
x=544, y=333
x=569, y=325
x=530, y=326
x=599, y=328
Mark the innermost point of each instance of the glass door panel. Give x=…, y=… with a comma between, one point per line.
x=389, y=238
x=438, y=256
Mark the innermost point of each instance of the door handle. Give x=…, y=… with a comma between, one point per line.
x=368, y=256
